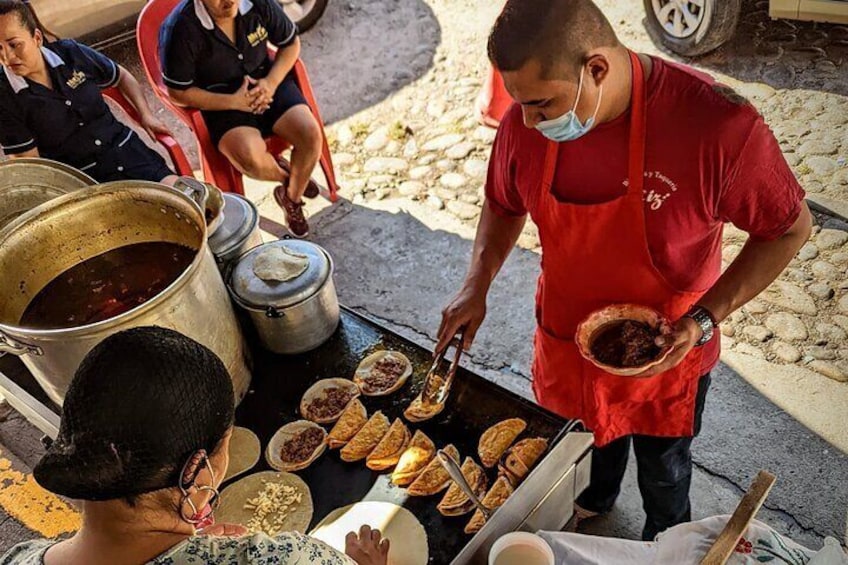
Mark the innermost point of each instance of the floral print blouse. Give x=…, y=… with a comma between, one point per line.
x=257, y=549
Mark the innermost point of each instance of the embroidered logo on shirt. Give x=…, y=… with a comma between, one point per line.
x=258, y=36
x=76, y=79
x=656, y=190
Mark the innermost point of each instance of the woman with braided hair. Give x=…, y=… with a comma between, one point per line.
x=143, y=444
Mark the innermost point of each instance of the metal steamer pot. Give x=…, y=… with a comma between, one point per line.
x=292, y=316
x=48, y=240
x=238, y=231
x=26, y=183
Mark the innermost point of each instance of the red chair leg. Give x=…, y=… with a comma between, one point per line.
x=327, y=167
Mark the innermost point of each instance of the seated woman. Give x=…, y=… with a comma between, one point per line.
x=214, y=57
x=51, y=105
x=143, y=444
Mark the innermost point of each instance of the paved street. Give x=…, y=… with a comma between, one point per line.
x=397, y=82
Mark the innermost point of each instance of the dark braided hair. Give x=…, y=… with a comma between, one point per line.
x=28, y=17
x=141, y=403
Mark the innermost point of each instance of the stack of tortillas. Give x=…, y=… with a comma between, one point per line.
x=397, y=524
x=245, y=450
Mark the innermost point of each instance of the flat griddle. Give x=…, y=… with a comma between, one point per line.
x=474, y=404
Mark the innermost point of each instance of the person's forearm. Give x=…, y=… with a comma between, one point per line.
x=195, y=97
x=496, y=236
x=32, y=153
x=757, y=266
x=284, y=62
x=131, y=90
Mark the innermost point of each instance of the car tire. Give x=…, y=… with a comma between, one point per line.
x=304, y=13
x=691, y=30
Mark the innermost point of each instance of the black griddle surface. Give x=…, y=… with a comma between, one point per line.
x=474, y=405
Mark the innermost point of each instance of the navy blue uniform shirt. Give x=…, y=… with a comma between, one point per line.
x=195, y=52
x=72, y=122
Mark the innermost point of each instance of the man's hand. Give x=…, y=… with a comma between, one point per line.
x=153, y=126
x=367, y=548
x=681, y=337
x=467, y=310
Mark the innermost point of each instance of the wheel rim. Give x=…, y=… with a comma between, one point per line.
x=680, y=18
x=296, y=10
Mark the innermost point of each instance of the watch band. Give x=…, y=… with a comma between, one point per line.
x=705, y=320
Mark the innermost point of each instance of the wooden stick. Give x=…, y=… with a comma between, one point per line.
x=748, y=507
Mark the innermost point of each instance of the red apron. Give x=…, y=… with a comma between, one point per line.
x=593, y=256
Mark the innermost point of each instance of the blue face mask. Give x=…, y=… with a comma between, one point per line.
x=568, y=127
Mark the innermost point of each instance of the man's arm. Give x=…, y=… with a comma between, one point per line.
x=754, y=269
x=496, y=236
x=32, y=153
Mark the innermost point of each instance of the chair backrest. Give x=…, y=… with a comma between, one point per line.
x=150, y=21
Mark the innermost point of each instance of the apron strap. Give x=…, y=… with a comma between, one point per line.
x=638, y=127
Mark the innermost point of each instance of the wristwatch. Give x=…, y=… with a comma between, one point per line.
x=705, y=320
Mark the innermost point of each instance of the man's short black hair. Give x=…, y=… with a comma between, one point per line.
x=557, y=33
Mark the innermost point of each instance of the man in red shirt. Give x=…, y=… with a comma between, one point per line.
x=629, y=165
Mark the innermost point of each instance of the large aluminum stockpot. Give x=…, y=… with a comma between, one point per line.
x=238, y=231
x=26, y=183
x=292, y=316
x=48, y=240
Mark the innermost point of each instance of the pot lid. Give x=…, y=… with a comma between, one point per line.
x=239, y=220
x=27, y=183
x=258, y=293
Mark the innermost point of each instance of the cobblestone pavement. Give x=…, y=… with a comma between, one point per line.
x=424, y=144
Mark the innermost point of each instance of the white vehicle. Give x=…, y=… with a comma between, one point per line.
x=695, y=27
x=102, y=22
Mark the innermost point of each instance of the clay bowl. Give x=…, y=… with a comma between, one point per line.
x=588, y=329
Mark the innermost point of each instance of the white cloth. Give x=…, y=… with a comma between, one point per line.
x=687, y=544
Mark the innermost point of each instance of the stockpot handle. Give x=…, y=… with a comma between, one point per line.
x=194, y=189
x=274, y=313
x=17, y=348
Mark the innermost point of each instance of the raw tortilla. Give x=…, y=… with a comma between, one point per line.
x=397, y=524
x=245, y=450
x=235, y=496
x=280, y=264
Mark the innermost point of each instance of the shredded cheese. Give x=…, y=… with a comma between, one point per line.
x=271, y=507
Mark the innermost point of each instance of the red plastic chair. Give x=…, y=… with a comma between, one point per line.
x=216, y=167
x=178, y=157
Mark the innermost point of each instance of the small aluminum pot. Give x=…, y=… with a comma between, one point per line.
x=238, y=231
x=292, y=316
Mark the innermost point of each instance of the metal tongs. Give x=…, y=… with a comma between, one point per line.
x=434, y=394
x=455, y=472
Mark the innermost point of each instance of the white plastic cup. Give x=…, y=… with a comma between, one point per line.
x=522, y=538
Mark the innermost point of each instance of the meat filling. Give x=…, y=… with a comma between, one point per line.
x=384, y=374
x=302, y=446
x=625, y=344
x=331, y=404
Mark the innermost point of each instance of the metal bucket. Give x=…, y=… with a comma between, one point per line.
x=47, y=241
x=27, y=183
